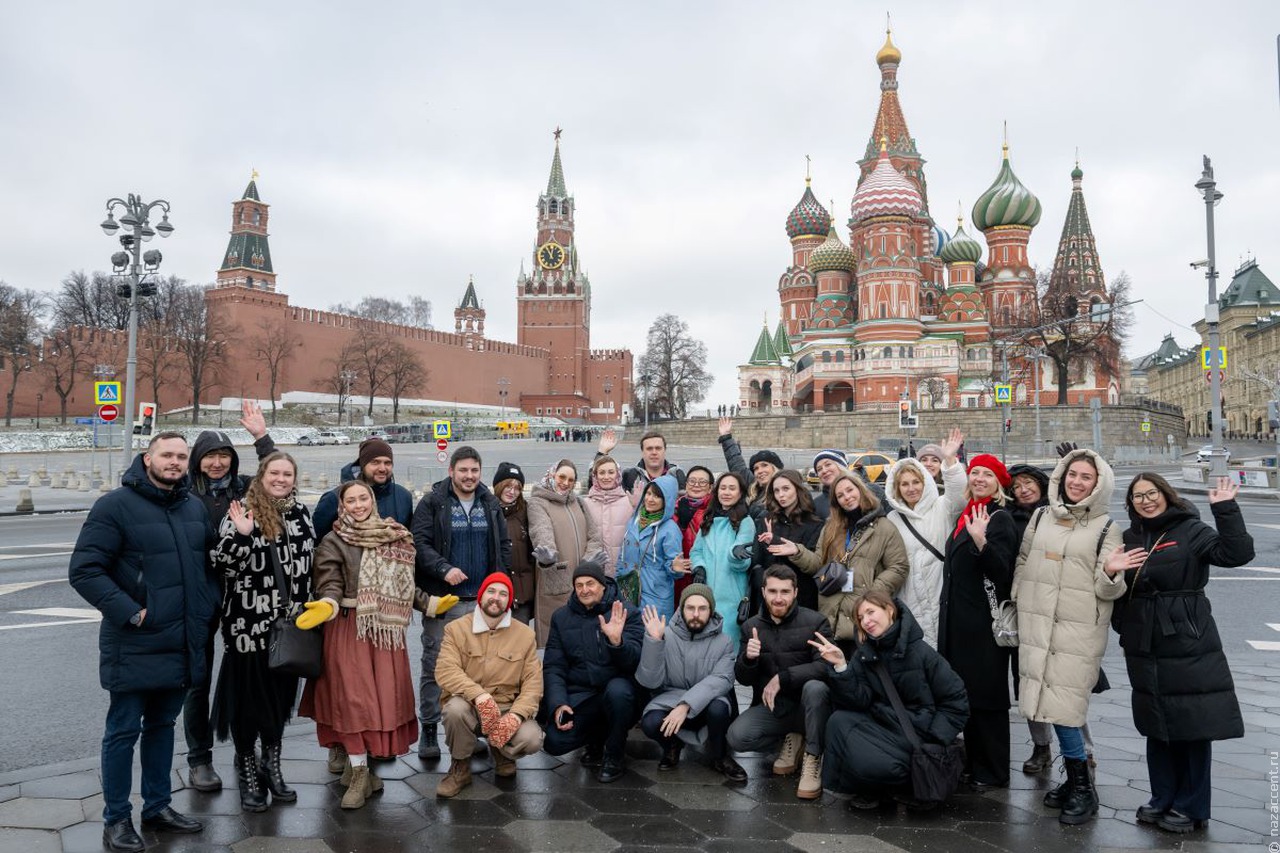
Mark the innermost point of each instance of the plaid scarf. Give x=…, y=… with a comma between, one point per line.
x=384, y=595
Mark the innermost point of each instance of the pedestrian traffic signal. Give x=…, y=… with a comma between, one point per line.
x=1008, y=424
x=146, y=423
x=906, y=417
x=1273, y=414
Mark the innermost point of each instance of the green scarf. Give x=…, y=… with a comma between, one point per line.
x=647, y=518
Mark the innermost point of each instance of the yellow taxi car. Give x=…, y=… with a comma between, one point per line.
x=874, y=464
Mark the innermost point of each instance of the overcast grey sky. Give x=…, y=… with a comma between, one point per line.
x=403, y=146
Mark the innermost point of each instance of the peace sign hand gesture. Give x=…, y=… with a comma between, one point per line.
x=767, y=536
x=830, y=651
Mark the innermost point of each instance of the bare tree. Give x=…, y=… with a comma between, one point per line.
x=383, y=309
x=338, y=376
x=66, y=358
x=372, y=354
x=274, y=347
x=419, y=312
x=89, y=300
x=158, y=358
x=1264, y=372
x=200, y=337
x=676, y=362
x=405, y=375
x=1074, y=333
x=19, y=337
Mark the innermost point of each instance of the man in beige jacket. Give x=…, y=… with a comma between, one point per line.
x=490, y=683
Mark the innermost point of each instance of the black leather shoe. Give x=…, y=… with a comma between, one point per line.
x=168, y=820
x=731, y=769
x=122, y=837
x=204, y=778
x=611, y=770
x=670, y=758
x=1149, y=814
x=592, y=756
x=1176, y=821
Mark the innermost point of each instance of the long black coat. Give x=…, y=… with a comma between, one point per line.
x=964, y=619
x=579, y=661
x=142, y=546
x=1182, y=687
x=865, y=742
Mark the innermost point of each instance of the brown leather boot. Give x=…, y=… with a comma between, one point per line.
x=458, y=777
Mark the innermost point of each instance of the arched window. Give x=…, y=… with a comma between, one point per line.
x=888, y=352
x=902, y=352
x=970, y=355
x=826, y=357
x=840, y=356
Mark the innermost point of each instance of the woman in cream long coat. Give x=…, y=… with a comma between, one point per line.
x=1067, y=574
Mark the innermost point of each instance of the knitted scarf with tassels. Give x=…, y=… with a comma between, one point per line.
x=384, y=595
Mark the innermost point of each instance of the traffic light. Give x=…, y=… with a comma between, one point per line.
x=1273, y=414
x=1008, y=424
x=906, y=419
x=146, y=423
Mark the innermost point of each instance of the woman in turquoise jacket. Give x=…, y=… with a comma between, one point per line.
x=723, y=548
x=650, y=547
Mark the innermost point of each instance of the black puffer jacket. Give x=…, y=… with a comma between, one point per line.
x=393, y=499
x=217, y=495
x=784, y=652
x=579, y=661
x=142, y=546
x=1182, y=686
x=804, y=533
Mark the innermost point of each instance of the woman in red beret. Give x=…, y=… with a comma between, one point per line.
x=977, y=572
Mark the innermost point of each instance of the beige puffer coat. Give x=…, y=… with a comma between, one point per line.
x=562, y=523
x=1064, y=599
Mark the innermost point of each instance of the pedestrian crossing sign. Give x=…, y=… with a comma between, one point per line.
x=441, y=429
x=1146, y=426
x=1004, y=393
x=106, y=392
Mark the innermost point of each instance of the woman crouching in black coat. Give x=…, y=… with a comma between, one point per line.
x=867, y=752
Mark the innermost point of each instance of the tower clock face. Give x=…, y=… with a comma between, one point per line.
x=550, y=255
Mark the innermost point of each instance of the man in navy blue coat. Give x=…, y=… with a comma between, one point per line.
x=142, y=559
x=374, y=465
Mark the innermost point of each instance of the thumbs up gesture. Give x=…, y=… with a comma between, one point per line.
x=753, y=645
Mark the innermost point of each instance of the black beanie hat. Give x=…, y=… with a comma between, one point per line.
x=765, y=456
x=508, y=471
x=590, y=569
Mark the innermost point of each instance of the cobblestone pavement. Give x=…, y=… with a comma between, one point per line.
x=556, y=805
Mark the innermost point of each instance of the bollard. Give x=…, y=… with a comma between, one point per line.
x=84, y=482
x=55, y=482
x=323, y=482
x=44, y=475
x=306, y=480
x=34, y=480
x=105, y=487
x=70, y=469
x=25, y=504
x=12, y=474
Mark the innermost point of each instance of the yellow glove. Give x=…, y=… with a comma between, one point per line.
x=317, y=612
x=446, y=602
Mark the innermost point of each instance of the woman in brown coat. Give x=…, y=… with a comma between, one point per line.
x=563, y=532
x=363, y=701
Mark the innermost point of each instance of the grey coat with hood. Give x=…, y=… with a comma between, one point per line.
x=696, y=669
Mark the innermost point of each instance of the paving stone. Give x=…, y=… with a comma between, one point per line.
x=70, y=786
x=455, y=812
x=8, y=792
x=186, y=846
x=32, y=841
x=32, y=813
x=83, y=837
x=705, y=797
x=559, y=807
x=479, y=789
x=361, y=841
x=391, y=769
x=935, y=841
x=529, y=781
x=558, y=836
x=290, y=822
x=810, y=843
x=646, y=830
x=190, y=801
x=715, y=823
x=817, y=819
x=268, y=844
x=465, y=838
x=305, y=772
x=312, y=796
x=1253, y=820
x=578, y=776
x=627, y=801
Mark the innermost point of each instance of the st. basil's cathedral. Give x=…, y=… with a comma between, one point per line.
x=907, y=310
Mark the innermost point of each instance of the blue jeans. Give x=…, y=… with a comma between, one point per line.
x=148, y=713
x=1070, y=741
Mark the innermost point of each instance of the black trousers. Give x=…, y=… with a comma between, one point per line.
x=716, y=717
x=986, y=746
x=195, y=710
x=1179, y=773
x=602, y=719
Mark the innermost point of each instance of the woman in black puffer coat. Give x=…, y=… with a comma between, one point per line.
x=867, y=752
x=1183, y=694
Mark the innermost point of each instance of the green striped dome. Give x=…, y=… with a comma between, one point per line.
x=961, y=248
x=1006, y=202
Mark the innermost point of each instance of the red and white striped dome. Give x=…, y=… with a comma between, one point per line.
x=885, y=192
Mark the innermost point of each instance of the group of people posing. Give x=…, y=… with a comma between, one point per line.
x=559, y=620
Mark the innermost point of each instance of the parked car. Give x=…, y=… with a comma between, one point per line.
x=875, y=467
x=1202, y=455
x=324, y=436
x=379, y=433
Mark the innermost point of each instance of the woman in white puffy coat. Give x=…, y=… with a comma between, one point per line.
x=915, y=504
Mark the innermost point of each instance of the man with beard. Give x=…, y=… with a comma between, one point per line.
x=142, y=559
x=689, y=665
x=374, y=465
x=490, y=683
x=593, y=649
x=788, y=679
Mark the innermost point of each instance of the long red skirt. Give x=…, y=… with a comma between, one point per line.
x=363, y=701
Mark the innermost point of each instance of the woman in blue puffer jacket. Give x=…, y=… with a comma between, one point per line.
x=722, y=551
x=646, y=567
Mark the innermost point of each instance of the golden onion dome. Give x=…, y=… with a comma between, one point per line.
x=890, y=52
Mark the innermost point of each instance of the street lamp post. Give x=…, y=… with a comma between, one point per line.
x=1217, y=460
x=503, y=384
x=646, y=379
x=348, y=376
x=39, y=400
x=133, y=265
x=608, y=396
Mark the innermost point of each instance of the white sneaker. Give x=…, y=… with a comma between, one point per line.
x=810, y=787
x=789, y=756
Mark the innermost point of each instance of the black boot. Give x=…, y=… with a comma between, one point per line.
x=272, y=778
x=1081, y=803
x=1055, y=798
x=252, y=796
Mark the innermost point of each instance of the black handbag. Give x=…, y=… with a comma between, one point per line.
x=291, y=650
x=935, y=769
x=830, y=579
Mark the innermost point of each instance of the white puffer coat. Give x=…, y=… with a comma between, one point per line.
x=934, y=516
x=1064, y=598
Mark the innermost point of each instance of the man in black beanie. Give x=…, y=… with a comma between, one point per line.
x=590, y=698
x=374, y=465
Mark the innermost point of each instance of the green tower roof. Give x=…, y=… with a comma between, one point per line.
x=469, y=299
x=1077, y=268
x=555, y=183
x=1250, y=286
x=764, y=353
x=782, y=341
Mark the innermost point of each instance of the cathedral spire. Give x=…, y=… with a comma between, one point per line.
x=1076, y=268
x=555, y=183
x=469, y=299
x=890, y=125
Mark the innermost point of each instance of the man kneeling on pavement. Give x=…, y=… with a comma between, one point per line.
x=593, y=649
x=490, y=683
x=788, y=679
x=689, y=662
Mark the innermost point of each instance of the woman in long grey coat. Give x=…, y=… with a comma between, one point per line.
x=1067, y=574
x=563, y=532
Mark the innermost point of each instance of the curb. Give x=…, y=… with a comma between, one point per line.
x=9, y=512
x=1251, y=496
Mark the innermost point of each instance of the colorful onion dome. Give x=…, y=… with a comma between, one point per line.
x=808, y=218
x=890, y=52
x=832, y=255
x=940, y=238
x=1006, y=202
x=885, y=192
x=962, y=249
